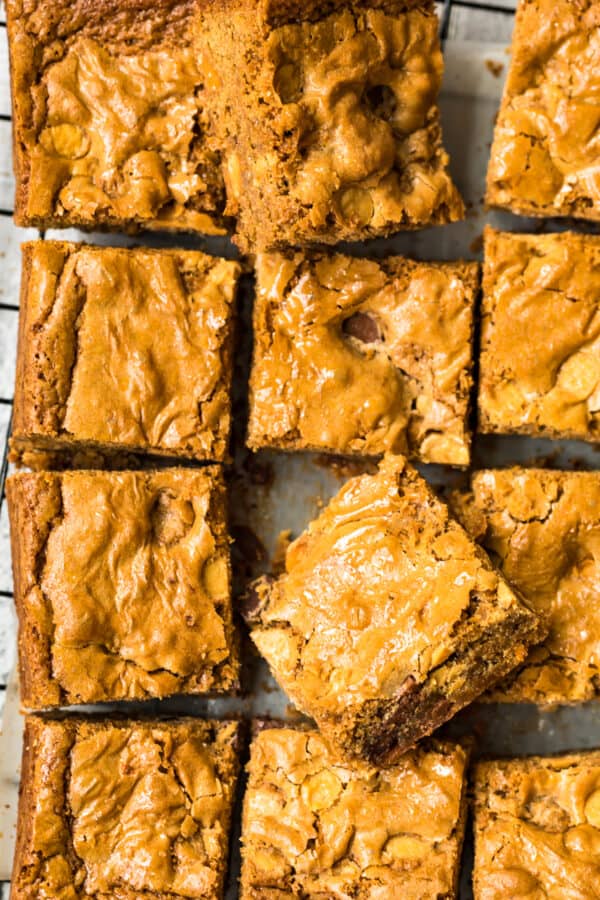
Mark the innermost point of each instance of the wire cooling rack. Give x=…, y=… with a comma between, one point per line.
x=462, y=19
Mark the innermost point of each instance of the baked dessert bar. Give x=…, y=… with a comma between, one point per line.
x=387, y=618
x=123, y=351
x=314, y=826
x=357, y=356
x=110, y=126
x=540, y=335
x=542, y=527
x=328, y=117
x=123, y=809
x=537, y=827
x=122, y=585
x=545, y=151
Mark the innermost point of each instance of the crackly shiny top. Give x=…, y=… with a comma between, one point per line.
x=358, y=356
x=352, y=145
x=135, y=569
x=130, y=348
x=378, y=590
x=537, y=829
x=543, y=529
x=540, y=335
x=125, y=810
x=313, y=826
x=544, y=158
x=110, y=125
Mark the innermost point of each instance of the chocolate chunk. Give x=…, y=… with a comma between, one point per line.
x=363, y=327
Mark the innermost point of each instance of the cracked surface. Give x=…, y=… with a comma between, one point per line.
x=360, y=357
x=379, y=626
x=313, y=826
x=540, y=335
x=122, y=585
x=537, y=828
x=330, y=120
x=543, y=529
x=110, y=125
x=125, y=809
x=544, y=159
x=98, y=368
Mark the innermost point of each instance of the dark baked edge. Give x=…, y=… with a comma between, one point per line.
x=380, y=731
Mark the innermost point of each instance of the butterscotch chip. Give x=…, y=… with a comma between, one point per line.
x=114, y=808
x=328, y=118
x=540, y=335
x=533, y=834
x=123, y=351
x=544, y=158
x=382, y=833
x=110, y=124
x=122, y=585
x=387, y=618
x=359, y=357
x=543, y=529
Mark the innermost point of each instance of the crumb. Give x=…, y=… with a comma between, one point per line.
x=476, y=245
x=344, y=466
x=496, y=68
x=284, y=539
x=247, y=544
x=261, y=473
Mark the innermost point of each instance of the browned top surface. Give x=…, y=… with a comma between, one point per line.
x=357, y=356
x=313, y=826
x=130, y=348
x=540, y=335
x=537, y=828
x=125, y=578
x=545, y=153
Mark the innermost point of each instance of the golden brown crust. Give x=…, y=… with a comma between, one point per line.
x=77, y=159
x=122, y=585
x=542, y=527
x=96, y=367
x=95, y=794
x=540, y=335
x=360, y=357
x=388, y=618
x=544, y=159
x=315, y=826
x=319, y=145
x=537, y=827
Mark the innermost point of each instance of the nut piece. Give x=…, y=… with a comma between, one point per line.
x=320, y=791
x=406, y=847
x=592, y=808
x=355, y=206
x=68, y=141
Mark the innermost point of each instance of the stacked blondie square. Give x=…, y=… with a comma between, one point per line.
x=297, y=126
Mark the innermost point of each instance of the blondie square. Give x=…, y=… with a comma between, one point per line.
x=110, y=128
x=544, y=158
x=125, y=809
x=539, y=370
x=387, y=618
x=357, y=356
x=328, y=117
x=543, y=529
x=314, y=826
x=123, y=351
x=122, y=585
x=537, y=828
